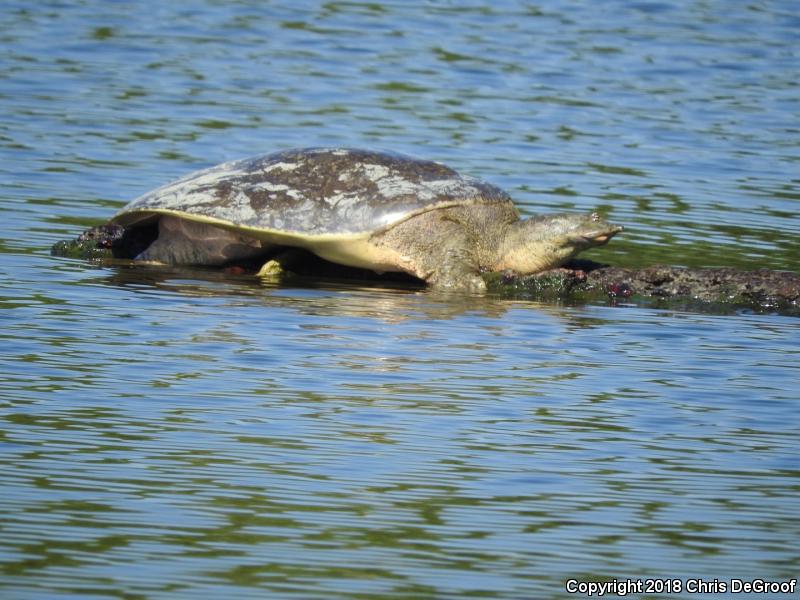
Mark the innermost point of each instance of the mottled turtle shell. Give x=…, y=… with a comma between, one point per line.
x=313, y=192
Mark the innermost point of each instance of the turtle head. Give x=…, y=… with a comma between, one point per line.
x=548, y=241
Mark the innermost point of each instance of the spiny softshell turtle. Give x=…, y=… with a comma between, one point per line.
x=373, y=210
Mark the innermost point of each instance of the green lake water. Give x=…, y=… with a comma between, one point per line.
x=173, y=434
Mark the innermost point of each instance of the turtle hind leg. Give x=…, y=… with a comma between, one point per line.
x=185, y=242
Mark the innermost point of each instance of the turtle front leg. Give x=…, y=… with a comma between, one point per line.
x=280, y=264
x=457, y=274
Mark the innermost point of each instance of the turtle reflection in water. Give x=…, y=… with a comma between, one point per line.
x=371, y=210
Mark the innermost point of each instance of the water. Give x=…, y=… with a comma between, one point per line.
x=176, y=433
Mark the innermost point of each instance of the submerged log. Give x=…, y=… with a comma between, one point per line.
x=763, y=290
x=717, y=289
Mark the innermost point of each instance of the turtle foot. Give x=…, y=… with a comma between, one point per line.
x=272, y=269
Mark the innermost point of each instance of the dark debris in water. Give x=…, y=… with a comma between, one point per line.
x=105, y=242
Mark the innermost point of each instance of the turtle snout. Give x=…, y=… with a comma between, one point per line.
x=596, y=238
